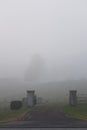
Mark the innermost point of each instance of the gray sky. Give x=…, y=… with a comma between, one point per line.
x=55, y=29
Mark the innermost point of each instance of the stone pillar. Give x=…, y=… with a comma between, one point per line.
x=30, y=97
x=72, y=97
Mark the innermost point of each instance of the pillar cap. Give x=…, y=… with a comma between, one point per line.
x=73, y=90
x=30, y=91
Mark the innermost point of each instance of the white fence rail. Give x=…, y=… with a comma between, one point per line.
x=82, y=98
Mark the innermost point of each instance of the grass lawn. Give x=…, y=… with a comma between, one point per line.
x=79, y=112
x=7, y=115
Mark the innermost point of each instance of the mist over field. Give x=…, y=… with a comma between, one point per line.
x=43, y=46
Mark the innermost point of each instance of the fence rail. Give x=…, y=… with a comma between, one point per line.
x=82, y=98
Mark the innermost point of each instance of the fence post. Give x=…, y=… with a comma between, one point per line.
x=73, y=97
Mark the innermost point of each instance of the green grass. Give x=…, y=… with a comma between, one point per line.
x=7, y=115
x=79, y=112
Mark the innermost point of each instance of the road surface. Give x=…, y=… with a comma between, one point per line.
x=46, y=116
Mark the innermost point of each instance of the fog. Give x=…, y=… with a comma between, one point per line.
x=42, y=41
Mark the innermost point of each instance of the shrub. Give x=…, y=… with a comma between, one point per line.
x=15, y=105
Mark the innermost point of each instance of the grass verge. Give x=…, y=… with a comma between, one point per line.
x=79, y=112
x=7, y=115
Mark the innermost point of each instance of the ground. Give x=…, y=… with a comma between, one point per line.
x=8, y=115
x=79, y=112
x=46, y=116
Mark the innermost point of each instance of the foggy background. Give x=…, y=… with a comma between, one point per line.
x=42, y=42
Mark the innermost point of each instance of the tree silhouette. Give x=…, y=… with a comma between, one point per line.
x=35, y=69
